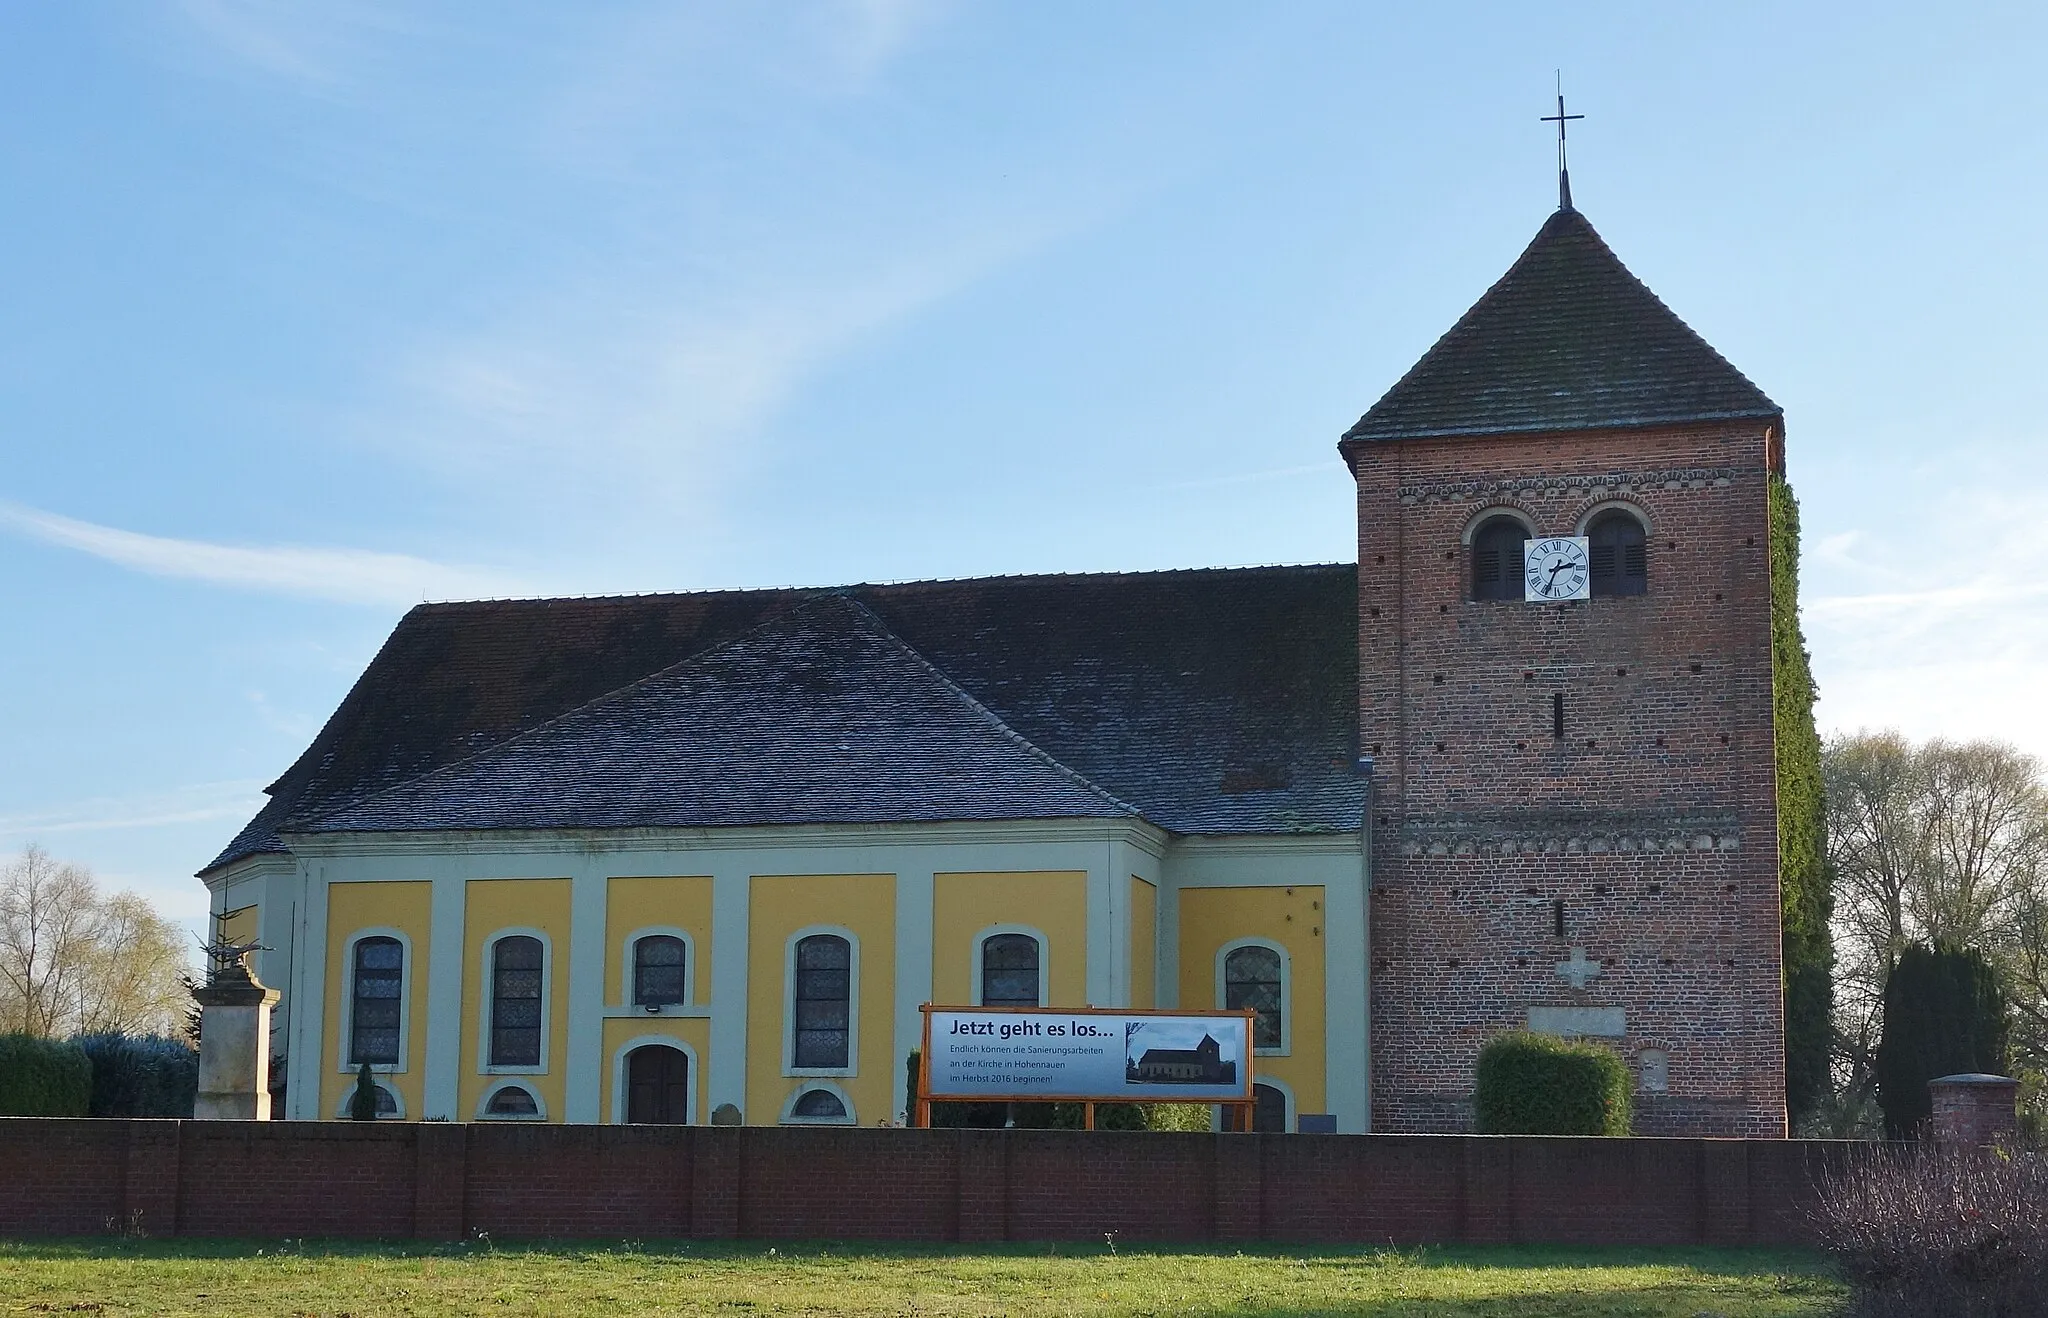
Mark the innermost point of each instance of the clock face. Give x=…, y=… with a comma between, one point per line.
x=1556, y=569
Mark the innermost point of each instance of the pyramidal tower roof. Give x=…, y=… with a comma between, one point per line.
x=1567, y=339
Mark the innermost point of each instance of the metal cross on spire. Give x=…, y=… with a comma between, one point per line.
x=1564, y=173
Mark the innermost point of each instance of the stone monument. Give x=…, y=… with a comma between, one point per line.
x=234, y=1038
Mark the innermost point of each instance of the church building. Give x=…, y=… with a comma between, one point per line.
x=640, y=858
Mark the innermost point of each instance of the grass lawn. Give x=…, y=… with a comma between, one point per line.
x=236, y=1277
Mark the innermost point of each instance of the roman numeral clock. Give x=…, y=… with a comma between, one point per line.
x=1558, y=568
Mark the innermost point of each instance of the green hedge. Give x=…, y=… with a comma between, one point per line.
x=1535, y=1084
x=43, y=1078
x=1803, y=885
x=141, y=1075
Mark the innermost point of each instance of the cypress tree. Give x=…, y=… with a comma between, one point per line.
x=362, y=1104
x=1944, y=1014
x=1804, y=883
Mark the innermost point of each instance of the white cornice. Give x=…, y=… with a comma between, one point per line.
x=268, y=864
x=1251, y=844
x=1145, y=837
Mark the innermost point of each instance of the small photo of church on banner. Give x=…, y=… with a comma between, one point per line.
x=1179, y=1053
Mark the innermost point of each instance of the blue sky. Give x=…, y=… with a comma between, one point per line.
x=317, y=310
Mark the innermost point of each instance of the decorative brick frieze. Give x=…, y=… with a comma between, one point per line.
x=1603, y=485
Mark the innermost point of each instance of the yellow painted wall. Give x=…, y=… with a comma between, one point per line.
x=695, y=1031
x=239, y=927
x=778, y=906
x=1055, y=904
x=1144, y=943
x=637, y=903
x=352, y=907
x=489, y=906
x=1290, y=917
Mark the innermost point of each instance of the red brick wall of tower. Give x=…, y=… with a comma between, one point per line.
x=1654, y=818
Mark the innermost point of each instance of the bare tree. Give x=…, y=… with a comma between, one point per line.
x=1939, y=842
x=74, y=960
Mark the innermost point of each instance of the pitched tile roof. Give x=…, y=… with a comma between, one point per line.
x=1218, y=701
x=818, y=716
x=1567, y=339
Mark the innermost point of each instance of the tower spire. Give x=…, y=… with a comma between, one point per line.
x=1564, y=173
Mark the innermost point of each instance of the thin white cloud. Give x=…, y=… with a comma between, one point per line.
x=306, y=44
x=349, y=576
x=1954, y=642
x=195, y=803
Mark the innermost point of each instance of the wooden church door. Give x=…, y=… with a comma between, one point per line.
x=657, y=1086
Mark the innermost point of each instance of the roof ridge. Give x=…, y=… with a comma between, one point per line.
x=806, y=592
x=993, y=718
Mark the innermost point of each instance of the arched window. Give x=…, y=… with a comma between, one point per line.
x=1010, y=971
x=375, y=1002
x=1269, y=1110
x=1620, y=554
x=517, y=962
x=660, y=972
x=818, y=1105
x=512, y=1102
x=822, y=1003
x=1497, y=559
x=1253, y=977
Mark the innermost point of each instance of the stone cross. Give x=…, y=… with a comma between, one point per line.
x=1578, y=970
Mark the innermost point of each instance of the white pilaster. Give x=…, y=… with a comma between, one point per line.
x=726, y=1078
x=309, y=1060
x=442, y=1050
x=1102, y=904
x=1345, y=1010
x=914, y=885
x=583, y=1073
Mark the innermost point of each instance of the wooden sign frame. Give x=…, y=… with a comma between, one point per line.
x=1238, y=1111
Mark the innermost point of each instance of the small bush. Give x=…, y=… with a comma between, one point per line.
x=1178, y=1116
x=43, y=1078
x=141, y=1075
x=1936, y=1230
x=1536, y=1084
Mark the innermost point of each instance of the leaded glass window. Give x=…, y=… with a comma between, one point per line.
x=375, y=1006
x=658, y=971
x=818, y=1105
x=1251, y=978
x=1009, y=971
x=516, y=968
x=824, y=1002
x=513, y=1101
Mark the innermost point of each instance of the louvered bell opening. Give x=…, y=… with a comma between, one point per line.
x=1620, y=555
x=1497, y=560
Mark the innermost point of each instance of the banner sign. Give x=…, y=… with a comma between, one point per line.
x=1087, y=1054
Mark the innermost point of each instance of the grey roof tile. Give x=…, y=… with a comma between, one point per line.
x=1567, y=339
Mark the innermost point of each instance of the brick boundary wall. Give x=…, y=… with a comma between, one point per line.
x=437, y=1181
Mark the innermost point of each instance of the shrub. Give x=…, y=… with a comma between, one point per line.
x=141, y=1075
x=1536, y=1084
x=1944, y=1014
x=1178, y=1116
x=43, y=1078
x=1938, y=1230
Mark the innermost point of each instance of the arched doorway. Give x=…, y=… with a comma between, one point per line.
x=657, y=1086
x=1269, y=1110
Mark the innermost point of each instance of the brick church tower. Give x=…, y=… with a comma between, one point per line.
x=1574, y=818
